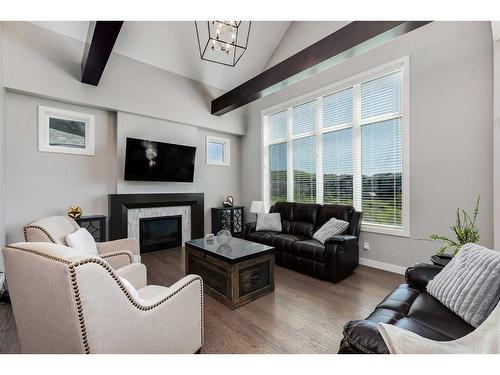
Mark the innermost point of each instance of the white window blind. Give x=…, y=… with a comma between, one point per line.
x=304, y=170
x=278, y=126
x=381, y=164
x=344, y=147
x=381, y=96
x=277, y=173
x=337, y=108
x=337, y=167
x=304, y=118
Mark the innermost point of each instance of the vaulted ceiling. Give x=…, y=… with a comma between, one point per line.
x=172, y=46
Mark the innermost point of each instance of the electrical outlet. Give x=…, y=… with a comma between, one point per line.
x=366, y=246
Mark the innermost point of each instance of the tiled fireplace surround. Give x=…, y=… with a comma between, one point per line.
x=125, y=211
x=135, y=214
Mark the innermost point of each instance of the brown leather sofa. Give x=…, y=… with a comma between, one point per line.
x=296, y=249
x=409, y=307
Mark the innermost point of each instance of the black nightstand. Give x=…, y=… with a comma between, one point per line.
x=95, y=224
x=230, y=218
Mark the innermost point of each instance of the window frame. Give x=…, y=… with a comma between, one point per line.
x=355, y=82
x=226, y=144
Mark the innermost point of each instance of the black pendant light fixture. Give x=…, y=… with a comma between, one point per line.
x=222, y=42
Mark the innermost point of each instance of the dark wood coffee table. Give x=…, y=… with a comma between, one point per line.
x=234, y=274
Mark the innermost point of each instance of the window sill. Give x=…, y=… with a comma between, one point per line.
x=385, y=229
x=219, y=164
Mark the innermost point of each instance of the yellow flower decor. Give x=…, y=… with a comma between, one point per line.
x=74, y=212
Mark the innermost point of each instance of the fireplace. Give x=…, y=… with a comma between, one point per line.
x=158, y=233
x=125, y=210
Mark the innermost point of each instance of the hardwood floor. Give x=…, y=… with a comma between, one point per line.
x=303, y=315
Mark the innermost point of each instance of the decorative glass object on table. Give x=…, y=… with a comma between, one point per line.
x=224, y=237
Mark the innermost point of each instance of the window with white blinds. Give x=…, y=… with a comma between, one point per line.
x=347, y=146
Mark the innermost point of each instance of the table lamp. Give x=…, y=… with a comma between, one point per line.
x=257, y=207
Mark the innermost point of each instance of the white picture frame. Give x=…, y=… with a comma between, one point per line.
x=65, y=132
x=225, y=144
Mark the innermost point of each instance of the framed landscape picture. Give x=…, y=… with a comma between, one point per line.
x=65, y=132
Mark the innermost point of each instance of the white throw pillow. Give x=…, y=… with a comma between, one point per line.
x=270, y=222
x=331, y=228
x=82, y=241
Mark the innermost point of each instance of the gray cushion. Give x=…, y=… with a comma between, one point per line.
x=331, y=228
x=470, y=284
x=270, y=222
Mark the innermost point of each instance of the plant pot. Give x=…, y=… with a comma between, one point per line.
x=444, y=256
x=441, y=260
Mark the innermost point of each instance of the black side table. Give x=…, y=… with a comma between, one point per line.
x=95, y=224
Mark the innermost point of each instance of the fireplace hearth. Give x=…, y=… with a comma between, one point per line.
x=159, y=233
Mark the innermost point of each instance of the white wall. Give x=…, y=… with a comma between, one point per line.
x=451, y=130
x=216, y=182
x=41, y=62
x=42, y=183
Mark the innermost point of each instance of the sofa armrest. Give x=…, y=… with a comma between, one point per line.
x=129, y=244
x=340, y=239
x=250, y=227
x=134, y=273
x=169, y=321
x=363, y=336
x=419, y=274
x=118, y=259
x=341, y=256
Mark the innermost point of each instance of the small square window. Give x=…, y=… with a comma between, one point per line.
x=218, y=151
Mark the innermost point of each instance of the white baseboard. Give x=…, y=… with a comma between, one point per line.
x=382, y=266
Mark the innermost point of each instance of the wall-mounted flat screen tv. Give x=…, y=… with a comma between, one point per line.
x=157, y=161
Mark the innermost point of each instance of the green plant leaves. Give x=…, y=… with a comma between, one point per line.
x=464, y=229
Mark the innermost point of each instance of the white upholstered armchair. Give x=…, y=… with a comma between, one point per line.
x=54, y=229
x=66, y=303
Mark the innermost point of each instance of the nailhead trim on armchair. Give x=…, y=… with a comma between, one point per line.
x=25, y=229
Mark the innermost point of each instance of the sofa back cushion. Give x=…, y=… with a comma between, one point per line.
x=339, y=212
x=305, y=216
x=285, y=209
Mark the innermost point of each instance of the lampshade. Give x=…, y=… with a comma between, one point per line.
x=257, y=207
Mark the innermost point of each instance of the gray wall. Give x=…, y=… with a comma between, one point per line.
x=45, y=63
x=42, y=183
x=216, y=182
x=42, y=64
x=451, y=130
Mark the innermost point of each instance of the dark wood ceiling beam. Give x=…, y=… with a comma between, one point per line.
x=100, y=41
x=351, y=40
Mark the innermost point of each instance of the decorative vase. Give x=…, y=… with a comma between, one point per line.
x=75, y=212
x=229, y=202
x=224, y=237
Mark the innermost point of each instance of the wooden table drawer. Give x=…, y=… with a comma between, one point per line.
x=254, y=278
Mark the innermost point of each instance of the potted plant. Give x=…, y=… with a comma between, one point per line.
x=465, y=231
